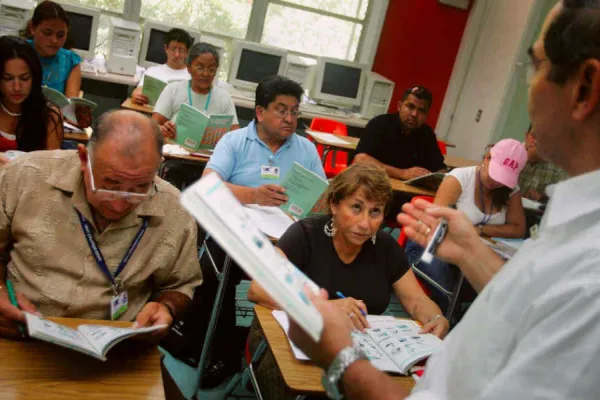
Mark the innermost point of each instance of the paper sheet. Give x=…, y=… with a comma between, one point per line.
x=326, y=137
x=175, y=149
x=272, y=221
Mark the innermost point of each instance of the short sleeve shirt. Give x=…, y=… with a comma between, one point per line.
x=166, y=74
x=49, y=260
x=369, y=277
x=240, y=156
x=176, y=93
x=539, y=175
x=56, y=69
x=383, y=140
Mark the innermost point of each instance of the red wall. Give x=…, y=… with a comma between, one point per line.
x=418, y=45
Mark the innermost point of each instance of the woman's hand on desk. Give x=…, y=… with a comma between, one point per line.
x=168, y=130
x=354, y=309
x=270, y=195
x=3, y=160
x=415, y=172
x=11, y=316
x=438, y=327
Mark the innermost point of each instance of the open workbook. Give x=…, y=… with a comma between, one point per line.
x=430, y=181
x=67, y=106
x=303, y=188
x=392, y=345
x=93, y=340
x=217, y=210
x=153, y=87
x=197, y=130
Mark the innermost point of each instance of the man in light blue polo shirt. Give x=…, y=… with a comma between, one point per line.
x=253, y=160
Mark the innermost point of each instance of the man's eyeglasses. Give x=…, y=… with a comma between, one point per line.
x=176, y=50
x=112, y=195
x=209, y=70
x=283, y=113
x=529, y=67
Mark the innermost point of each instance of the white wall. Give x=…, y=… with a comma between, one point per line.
x=493, y=42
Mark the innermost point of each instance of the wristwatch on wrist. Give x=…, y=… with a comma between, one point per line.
x=331, y=379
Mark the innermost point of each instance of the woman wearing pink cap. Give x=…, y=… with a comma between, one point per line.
x=489, y=196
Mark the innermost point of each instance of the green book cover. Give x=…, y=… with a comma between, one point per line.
x=152, y=88
x=303, y=188
x=66, y=106
x=218, y=126
x=190, y=124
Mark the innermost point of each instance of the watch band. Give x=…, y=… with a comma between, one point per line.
x=335, y=372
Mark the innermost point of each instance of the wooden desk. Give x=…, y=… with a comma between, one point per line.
x=299, y=376
x=458, y=162
x=145, y=109
x=80, y=137
x=399, y=186
x=39, y=370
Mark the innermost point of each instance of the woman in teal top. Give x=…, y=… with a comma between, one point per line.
x=47, y=32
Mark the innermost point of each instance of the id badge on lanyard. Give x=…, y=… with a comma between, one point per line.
x=119, y=301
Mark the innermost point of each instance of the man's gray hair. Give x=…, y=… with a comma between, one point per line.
x=109, y=123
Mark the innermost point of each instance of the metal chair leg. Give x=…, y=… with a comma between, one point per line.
x=454, y=299
x=248, y=373
x=214, y=317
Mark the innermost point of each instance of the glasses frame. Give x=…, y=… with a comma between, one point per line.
x=284, y=113
x=112, y=195
x=529, y=67
x=208, y=70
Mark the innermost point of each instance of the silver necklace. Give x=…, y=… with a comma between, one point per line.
x=12, y=114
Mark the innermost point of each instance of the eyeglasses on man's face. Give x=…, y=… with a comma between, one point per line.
x=530, y=68
x=112, y=195
x=206, y=70
x=284, y=112
x=177, y=50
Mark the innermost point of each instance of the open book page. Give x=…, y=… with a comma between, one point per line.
x=430, y=181
x=152, y=88
x=43, y=329
x=55, y=97
x=211, y=202
x=270, y=220
x=218, y=126
x=505, y=248
x=303, y=188
x=190, y=124
x=401, y=343
x=326, y=137
x=284, y=321
x=103, y=338
x=531, y=204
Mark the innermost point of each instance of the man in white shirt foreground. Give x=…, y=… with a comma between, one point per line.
x=533, y=330
x=177, y=45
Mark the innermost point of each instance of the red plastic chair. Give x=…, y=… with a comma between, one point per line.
x=335, y=162
x=442, y=147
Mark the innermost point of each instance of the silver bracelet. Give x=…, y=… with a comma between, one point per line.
x=434, y=318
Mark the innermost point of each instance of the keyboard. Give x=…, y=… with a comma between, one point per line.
x=320, y=110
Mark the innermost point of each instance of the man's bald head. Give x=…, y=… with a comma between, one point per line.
x=127, y=132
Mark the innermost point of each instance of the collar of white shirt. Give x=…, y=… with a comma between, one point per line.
x=574, y=198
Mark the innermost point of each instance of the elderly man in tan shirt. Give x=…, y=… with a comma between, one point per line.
x=49, y=200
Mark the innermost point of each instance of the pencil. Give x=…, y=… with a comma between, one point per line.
x=341, y=296
x=14, y=302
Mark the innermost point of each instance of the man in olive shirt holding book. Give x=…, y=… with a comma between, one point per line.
x=81, y=231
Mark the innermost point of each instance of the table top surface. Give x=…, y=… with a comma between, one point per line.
x=459, y=162
x=112, y=78
x=351, y=142
x=130, y=105
x=35, y=369
x=399, y=186
x=77, y=136
x=299, y=376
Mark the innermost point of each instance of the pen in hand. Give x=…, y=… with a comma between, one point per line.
x=341, y=296
x=14, y=302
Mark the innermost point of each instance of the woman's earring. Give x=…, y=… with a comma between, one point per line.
x=329, y=229
x=373, y=238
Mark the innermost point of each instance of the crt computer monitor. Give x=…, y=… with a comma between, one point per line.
x=152, y=50
x=252, y=62
x=84, y=29
x=338, y=82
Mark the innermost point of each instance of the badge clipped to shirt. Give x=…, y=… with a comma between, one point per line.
x=119, y=301
x=269, y=172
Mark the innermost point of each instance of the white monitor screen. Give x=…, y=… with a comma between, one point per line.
x=156, y=47
x=341, y=80
x=81, y=30
x=255, y=66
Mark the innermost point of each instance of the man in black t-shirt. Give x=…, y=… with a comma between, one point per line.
x=402, y=143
